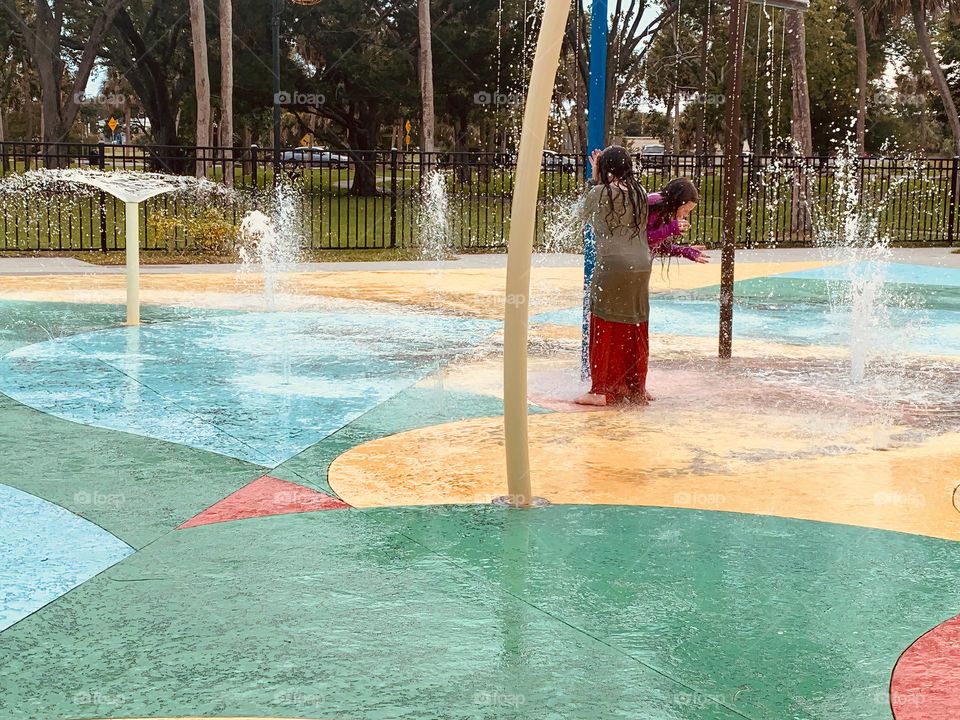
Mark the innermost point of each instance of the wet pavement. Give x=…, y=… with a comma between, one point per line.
x=762, y=542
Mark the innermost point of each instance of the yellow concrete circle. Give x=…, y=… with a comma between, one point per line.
x=710, y=461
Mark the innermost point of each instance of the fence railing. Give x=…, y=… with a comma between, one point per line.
x=351, y=199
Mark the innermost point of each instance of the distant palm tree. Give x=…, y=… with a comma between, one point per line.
x=883, y=14
x=426, y=76
x=226, y=88
x=856, y=10
x=198, y=24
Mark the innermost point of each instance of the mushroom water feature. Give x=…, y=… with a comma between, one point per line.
x=130, y=188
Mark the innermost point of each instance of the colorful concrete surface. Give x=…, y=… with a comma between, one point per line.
x=46, y=551
x=792, y=307
x=761, y=546
x=469, y=292
x=575, y=612
x=263, y=497
x=719, y=462
x=257, y=387
x=926, y=679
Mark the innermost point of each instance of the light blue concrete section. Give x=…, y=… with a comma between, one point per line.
x=919, y=310
x=259, y=387
x=892, y=272
x=46, y=551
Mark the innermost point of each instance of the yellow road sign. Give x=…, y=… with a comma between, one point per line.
x=408, y=140
x=408, y=127
x=112, y=123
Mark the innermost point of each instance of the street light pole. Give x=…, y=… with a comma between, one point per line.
x=276, y=88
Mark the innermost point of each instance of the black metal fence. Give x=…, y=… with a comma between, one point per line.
x=349, y=199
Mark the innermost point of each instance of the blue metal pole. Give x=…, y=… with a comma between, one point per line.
x=596, y=140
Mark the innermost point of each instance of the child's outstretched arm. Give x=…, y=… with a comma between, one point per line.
x=671, y=249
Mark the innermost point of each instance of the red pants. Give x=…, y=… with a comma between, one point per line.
x=619, y=353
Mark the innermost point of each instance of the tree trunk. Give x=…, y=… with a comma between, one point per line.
x=797, y=44
x=800, y=124
x=201, y=74
x=226, y=88
x=426, y=77
x=43, y=37
x=856, y=9
x=363, y=143
x=933, y=65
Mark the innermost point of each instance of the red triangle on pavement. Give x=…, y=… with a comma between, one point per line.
x=265, y=496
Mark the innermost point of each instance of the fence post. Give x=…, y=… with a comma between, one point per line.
x=254, y=167
x=954, y=200
x=102, y=164
x=748, y=201
x=393, y=197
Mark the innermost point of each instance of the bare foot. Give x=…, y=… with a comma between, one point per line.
x=650, y=397
x=592, y=399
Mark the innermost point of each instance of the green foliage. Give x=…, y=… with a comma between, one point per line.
x=210, y=231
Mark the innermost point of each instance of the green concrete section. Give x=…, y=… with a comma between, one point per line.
x=416, y=407
x=134, y=487
x=568, y=612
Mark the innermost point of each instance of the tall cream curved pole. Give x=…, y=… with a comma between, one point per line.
x=520, y=251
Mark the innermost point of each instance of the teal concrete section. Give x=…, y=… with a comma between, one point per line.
x=45, y=551
x=478, y=612
x=259, y=387
x=415, y=407
x=26, y=323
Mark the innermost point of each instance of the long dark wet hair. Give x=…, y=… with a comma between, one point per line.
x=675, y=195
x=615, y=161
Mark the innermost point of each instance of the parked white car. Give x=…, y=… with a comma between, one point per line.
x=315, y=157
x=652, y=156
x=556, y=161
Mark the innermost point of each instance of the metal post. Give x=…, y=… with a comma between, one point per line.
x=393, y=197
x=748, y=196
x=102, y=165
x=954, y=200
x=520, y=251
x=731, y=177
x=276, y=90
x=596, y=140
x=132, y=241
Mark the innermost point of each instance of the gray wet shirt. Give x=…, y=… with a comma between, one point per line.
x=620, y=290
